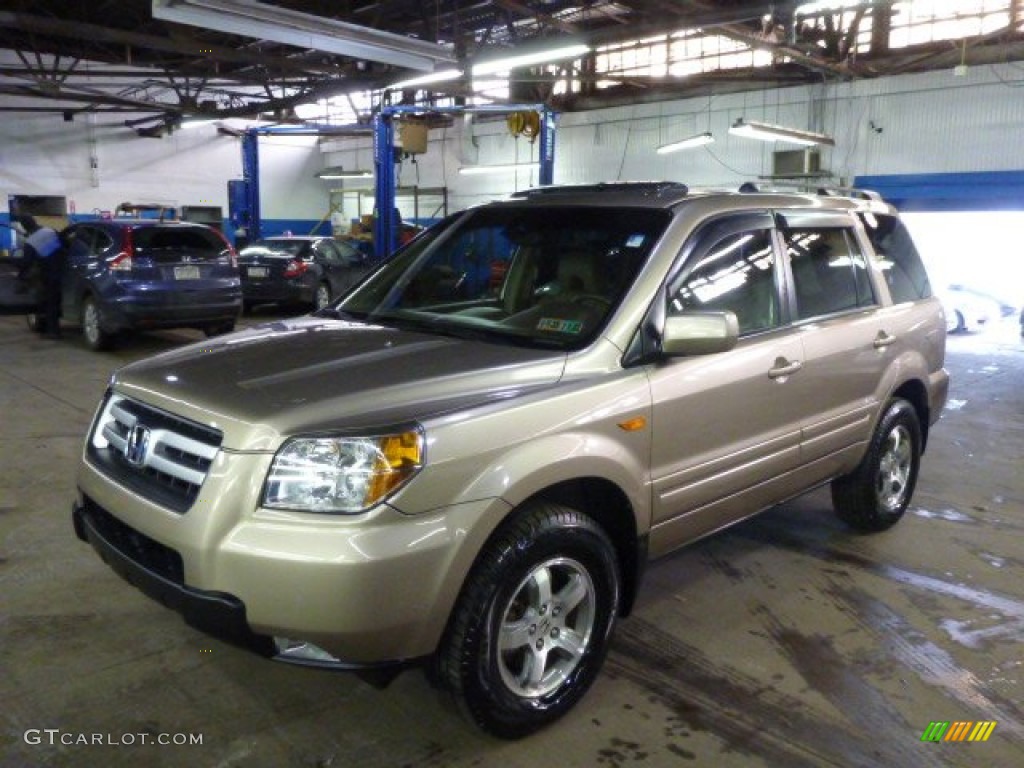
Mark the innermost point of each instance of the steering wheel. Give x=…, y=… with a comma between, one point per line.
x=592, y=301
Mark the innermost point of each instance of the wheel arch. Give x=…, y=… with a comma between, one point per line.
x=915, y=392
x=609, y=506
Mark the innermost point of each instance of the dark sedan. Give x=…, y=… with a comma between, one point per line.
x=309, y=271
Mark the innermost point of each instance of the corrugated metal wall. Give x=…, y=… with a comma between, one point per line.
x=913, y=124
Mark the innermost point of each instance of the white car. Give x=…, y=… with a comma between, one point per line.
x=968, y=311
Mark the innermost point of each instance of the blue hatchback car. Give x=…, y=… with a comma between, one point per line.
x=141, y=274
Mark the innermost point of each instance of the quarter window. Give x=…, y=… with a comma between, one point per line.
x=734, y=274
x=830, y=273
x=897, y=257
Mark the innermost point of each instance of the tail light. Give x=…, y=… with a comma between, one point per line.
x=295, y=267
x=123, y=261
x=229, y=249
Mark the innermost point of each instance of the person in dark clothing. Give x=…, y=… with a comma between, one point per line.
x=44, y=247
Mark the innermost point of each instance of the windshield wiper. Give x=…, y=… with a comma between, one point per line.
x=339, y=314
x=443, y=326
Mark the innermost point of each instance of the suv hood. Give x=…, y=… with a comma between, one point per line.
x=315, y=374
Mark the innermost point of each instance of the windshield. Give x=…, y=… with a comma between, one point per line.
x=542, y=276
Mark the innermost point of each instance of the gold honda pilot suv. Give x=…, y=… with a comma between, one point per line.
x=468, y=459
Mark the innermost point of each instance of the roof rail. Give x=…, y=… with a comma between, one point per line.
x=823, y=190
x=642, y=187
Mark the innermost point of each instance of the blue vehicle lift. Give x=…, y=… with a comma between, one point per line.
x=384, y=158
x=248, y=194
x=244, y=197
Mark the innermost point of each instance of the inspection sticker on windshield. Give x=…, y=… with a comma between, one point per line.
x=559, y=326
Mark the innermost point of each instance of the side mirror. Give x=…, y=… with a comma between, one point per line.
x=699, y=333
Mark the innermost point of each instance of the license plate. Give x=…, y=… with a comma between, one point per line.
x=257, y=271
x=186, y=273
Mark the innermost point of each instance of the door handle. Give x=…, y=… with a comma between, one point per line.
x=784, y=367
x=883, y=340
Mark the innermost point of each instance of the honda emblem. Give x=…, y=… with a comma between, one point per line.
x=136, y=446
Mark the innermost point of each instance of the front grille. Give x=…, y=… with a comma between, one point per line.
x=136, y=546
x=160, y=456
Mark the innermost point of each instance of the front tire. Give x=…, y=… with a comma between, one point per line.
x=875, y=495
x=36, y=322
x=531, y=628
x=95, y=337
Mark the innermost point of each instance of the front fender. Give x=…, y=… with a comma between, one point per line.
x=526, y=470
x=515, y=449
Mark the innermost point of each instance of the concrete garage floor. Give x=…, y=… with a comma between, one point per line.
x=786, y=641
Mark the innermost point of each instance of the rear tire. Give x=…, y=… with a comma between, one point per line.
x=219, y=329
x=875, y=495
x=95, y=337
x=322, y=297
x=531, y=628
x=955, y=323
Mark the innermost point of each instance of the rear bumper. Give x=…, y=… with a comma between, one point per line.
x=278, y=292
x=176, y=312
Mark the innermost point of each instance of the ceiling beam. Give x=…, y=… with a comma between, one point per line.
x=523, y=10
x=93, y=33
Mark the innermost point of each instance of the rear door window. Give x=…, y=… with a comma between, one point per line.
x=80, y=241
x=327, y=253
x=87, y=242
x=350, y=256
x=830, y=272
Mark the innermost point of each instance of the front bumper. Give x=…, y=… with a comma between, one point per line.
x=216, y=613
x=370, y=590
x=155, y=570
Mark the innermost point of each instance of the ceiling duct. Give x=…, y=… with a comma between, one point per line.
x=303, y=30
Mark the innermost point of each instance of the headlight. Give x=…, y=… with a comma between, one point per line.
x=341, y=474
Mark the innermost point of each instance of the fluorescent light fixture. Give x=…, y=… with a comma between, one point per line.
x=526, y=59
x=441, y=76
x=766, y=132
x=498, y=168
x=191, y=123
x=283, y=25
x=341, y=173
x=694, y=141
